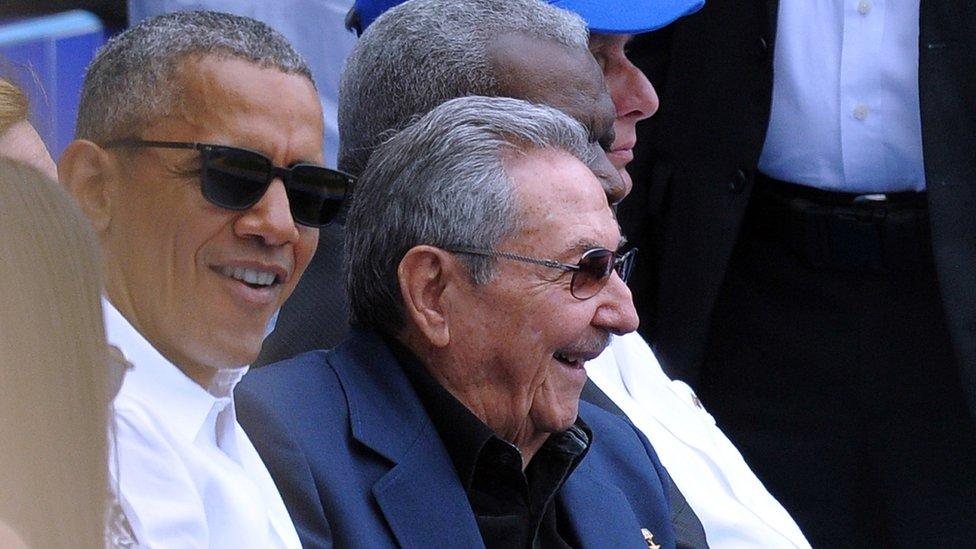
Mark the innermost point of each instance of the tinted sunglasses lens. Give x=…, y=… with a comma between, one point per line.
x=316, y=194
x=594, y=270
x=233, y=178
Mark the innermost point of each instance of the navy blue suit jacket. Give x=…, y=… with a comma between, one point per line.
x=359, y=463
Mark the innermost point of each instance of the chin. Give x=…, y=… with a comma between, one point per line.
x=625, y=176
x=237, y=353
x=563, y=419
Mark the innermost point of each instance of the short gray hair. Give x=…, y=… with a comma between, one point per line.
x=442, y=182
x=424, y=52
x=133, y=79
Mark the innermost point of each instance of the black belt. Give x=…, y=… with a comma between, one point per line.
x=837, y=230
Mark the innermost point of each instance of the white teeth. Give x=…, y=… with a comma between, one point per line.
x=565, y=358
x=251, y=276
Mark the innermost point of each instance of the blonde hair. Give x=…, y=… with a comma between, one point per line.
x=54, y=387
x=13, y=104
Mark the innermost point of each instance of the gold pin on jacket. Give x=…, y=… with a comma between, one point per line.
x=649, y=538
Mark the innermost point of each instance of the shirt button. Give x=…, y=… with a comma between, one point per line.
x=863, y=7
x=861, y=112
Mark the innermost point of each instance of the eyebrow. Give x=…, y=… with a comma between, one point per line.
x=584, y=244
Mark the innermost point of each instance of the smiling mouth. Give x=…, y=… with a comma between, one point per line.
x=578, y=354
x=254, y=278
x=571, y=360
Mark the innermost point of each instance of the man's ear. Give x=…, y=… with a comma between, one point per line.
x=86, y=171
x=425, y=272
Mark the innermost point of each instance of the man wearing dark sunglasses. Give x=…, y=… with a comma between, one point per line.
x=482, y=272
x=199, y=163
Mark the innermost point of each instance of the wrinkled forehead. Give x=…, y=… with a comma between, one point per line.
x=560, y=202
x=215, y=82
x=547, y=72
x=236, y=102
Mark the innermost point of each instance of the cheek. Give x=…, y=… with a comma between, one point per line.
x=187, y=247
x=146, y=232
x=616, y=77
x=546, y=330
x=518, y=333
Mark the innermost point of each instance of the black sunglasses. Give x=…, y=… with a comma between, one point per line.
x=590, y=275
x=236, y=179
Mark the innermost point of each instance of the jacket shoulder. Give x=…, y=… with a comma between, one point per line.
x=305, y=385
x=312, y=365
x=607, y=424
x=619, y=447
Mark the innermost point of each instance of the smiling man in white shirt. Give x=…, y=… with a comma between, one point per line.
x=198, y=161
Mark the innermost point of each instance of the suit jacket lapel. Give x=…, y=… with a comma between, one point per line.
x=387, y=416
x=421, y=507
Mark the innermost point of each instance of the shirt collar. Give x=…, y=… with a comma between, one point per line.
x=157, y=383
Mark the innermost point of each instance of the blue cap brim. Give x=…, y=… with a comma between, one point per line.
x=629, y=16
x=368, y=10
x=601, y=16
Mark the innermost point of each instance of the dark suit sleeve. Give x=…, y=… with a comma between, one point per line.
x=285, y=460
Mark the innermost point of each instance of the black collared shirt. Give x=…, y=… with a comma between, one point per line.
x=512, y=508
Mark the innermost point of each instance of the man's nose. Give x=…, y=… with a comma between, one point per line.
x=270, y=219
x=615, y=312
x=638, y=98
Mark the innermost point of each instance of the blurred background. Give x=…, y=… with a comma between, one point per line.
x=45, y=46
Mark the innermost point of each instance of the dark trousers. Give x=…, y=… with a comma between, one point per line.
x=830, y=367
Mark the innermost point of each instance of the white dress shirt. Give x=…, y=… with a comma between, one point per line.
x=734, y=507
x=845, y=108
x=188, y=476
